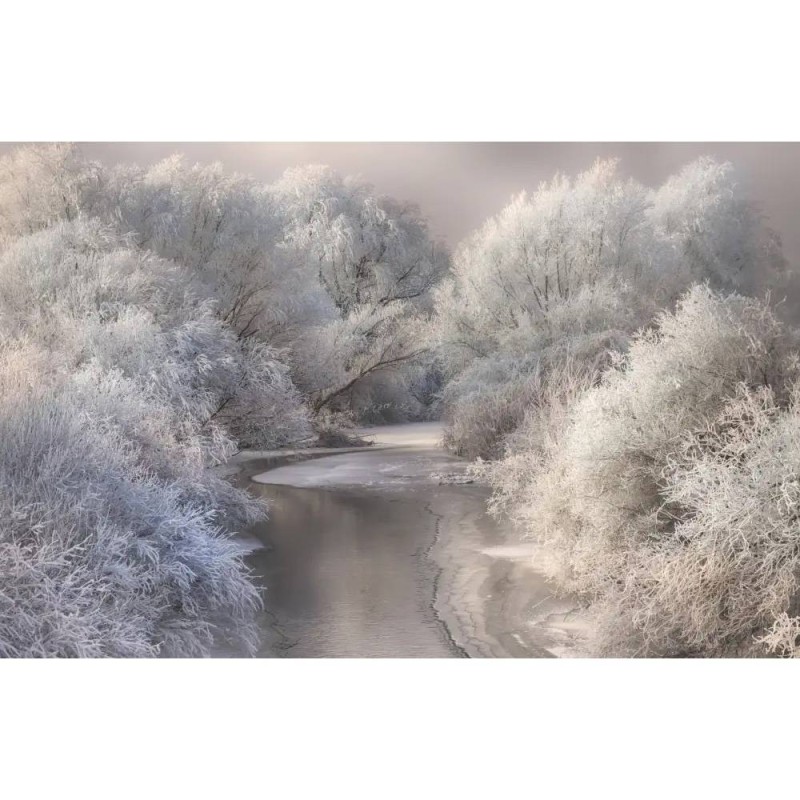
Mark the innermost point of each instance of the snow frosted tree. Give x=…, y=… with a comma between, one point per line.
x=546, y=279
x=225, y=229
x=367, y=250
x=715, y=232
x=44, y=184
x=377, y=262
x=571, y=272
x=364, y=344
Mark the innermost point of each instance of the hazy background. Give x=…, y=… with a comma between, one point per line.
x=458, y=185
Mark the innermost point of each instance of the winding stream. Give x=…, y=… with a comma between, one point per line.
x=367, y=554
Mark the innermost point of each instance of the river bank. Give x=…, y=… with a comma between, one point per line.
x=386, y=552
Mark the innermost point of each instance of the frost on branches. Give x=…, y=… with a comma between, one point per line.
x=667, y=495
x=572, y=271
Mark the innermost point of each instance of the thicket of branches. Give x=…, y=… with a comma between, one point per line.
x=666, y=496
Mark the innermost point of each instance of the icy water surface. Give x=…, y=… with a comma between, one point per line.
x=347, y=574
x=367, y=554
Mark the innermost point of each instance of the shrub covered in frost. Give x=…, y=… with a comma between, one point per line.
x=104, y=550
x=667, y=494
x=121, y=388
x=79, y=291
x=486, y=402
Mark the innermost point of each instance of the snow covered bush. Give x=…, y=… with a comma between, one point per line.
x=666, y=495
x=486, y=402
x=99, y=555
x=121, y=389
x=535, y=440
x=730, y=577
x=80, y=290
x=259, y=405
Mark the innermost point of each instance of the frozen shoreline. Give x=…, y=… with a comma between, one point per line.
x=484, y=589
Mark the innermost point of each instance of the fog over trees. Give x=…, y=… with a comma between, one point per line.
x=619, y=358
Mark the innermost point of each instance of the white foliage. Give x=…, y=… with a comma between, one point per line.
x=367, y=250
x=582, y=264
x=714, y=231
x=377, y=262
x=226, y=230
x=334, y=358
x=43, y=185
x=280, y=262
x=666, y=493
x=129, y=387
x=100, y=554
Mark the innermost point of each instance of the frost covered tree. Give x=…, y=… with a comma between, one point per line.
x=666, y=495
x=377, y=262
x=572, y=271
x=44, y=184
x=546, y=279
x=541, y=252
x=714, y=231
x=225, y=229
x=366, y=343
x=366, y=250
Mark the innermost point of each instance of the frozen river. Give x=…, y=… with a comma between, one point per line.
x=366, y=554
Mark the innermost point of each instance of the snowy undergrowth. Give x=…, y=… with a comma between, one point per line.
x=668, y=493
x=121, y=389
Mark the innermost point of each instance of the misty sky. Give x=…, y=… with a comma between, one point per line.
x=458, y=185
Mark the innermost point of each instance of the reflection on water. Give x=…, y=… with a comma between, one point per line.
x=347, y=575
